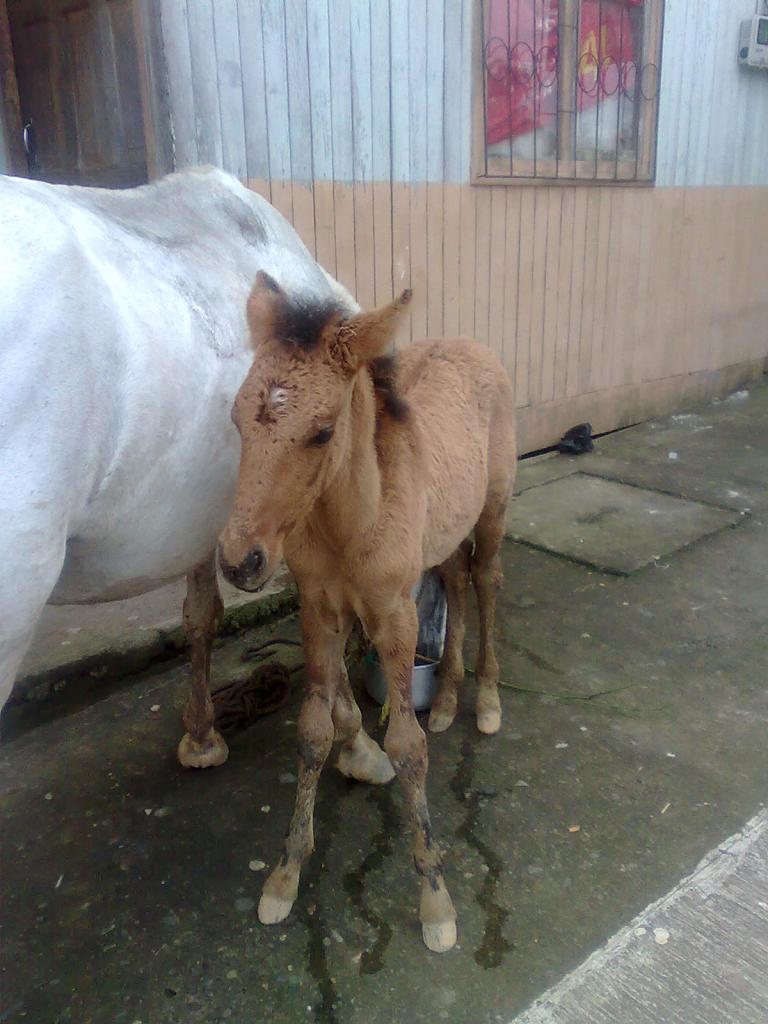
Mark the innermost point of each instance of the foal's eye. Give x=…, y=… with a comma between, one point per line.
x=321, y=437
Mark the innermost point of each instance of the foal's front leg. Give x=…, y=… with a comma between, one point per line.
x=202, y=746
x=406, y=745
x=324, y=633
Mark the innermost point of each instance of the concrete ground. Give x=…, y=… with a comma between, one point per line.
x=633, y=638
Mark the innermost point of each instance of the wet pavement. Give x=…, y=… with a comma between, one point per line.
x=634, y=740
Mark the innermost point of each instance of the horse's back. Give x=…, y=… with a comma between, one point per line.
x=462, y=365
x=459, y=391
x=122, y=319
x=46, y=403
x=462, y=402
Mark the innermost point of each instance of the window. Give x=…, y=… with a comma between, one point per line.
x=569, y=90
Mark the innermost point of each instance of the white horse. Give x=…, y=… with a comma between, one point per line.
x=122, y=344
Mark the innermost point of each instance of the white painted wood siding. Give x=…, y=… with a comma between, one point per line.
x=713, y=115
x=379, y=90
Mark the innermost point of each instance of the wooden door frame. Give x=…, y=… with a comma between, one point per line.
x=153, y=84
x=153, y=87
x=9, y=97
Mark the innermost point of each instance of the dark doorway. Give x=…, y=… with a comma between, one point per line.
x=78, y=73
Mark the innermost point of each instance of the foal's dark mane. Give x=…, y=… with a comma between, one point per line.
x=384, y=376
x=300, y=322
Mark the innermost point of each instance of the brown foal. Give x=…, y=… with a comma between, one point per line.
x=365, y=472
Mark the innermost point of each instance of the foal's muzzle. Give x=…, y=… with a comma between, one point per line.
x=249, y=574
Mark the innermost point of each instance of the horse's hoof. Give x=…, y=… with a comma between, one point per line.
x=273, y=910
x=207, y=753
x=440, y=720
x=439, y=937
x=365, y=761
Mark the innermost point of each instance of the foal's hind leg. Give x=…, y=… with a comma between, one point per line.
x=360, y=757
x=487, y=578
x=202, y=746
x=455, y=574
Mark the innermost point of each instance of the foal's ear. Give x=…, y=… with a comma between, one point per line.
x=265, y=303
x=367, y=336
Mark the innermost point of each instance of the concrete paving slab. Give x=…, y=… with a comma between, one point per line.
x=712, y=454
x=610, y=525
x=698, y=954
x=541, y=469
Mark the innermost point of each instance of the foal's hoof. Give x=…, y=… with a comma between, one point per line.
x=488, y=708
x=443, y=711
x=438, y=918
x=209, y=752
x=279, y=892
x=440, y=719
x=439, y=937
x=273, y=910
x=489, y=722
x=365, y=761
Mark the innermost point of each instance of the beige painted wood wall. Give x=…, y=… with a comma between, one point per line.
x=607, y=304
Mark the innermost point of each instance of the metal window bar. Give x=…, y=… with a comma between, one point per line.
x=509, y=99
x=582, y=81
x=534, y=73
x=598, y=76
x=619, y=94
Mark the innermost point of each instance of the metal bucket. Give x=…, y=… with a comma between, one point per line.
x=424, y=681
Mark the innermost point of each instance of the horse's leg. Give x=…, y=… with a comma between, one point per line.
x=324, y=634
x=360, y=757
x=32, y=563
x=12, y=651
x=487, y=578
x=202, y=746
x=406, y=745
x=455, y=573
x=14, y=643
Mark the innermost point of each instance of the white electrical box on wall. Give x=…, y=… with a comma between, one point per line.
x=753, y=42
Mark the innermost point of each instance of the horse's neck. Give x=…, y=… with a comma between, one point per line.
x=351, y=505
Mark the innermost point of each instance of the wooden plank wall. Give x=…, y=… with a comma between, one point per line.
x=354, y=119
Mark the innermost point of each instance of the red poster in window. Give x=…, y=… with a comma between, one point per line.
x=521, y=61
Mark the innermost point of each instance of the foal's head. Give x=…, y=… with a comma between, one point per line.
x=293, y=414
